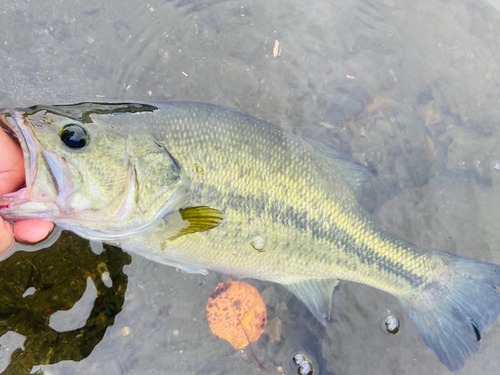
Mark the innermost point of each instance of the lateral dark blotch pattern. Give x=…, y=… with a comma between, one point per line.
x=287, y=215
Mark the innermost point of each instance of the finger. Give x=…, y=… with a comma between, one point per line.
x=11, y=164
x=32, y=230
x=6, y=236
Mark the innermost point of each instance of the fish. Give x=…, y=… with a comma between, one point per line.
x=203, y=187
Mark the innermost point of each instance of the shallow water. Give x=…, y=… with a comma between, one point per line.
x=409, y=88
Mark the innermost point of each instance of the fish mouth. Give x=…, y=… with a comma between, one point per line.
x=9, y=126
x=20, y=204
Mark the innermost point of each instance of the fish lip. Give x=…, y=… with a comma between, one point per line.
x=7, y=126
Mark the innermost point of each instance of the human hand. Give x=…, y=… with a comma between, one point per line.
x=11, y=179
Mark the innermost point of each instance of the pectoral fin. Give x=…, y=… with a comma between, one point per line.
x=197, y=219
x=316, y=295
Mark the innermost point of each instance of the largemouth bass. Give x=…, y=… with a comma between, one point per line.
x=202, y=187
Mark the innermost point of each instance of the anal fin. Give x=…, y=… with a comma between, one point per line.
x=188, y=268
x=316, y=295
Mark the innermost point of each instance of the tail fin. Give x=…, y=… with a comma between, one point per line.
x=452, y=311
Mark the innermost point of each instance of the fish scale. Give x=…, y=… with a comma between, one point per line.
x=291, y=188
x=202, y=187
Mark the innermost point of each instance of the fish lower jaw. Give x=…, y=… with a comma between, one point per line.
x=17, y=206
x=14, y=197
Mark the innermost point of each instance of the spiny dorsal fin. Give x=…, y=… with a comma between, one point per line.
x=200, y=219
x=83, y=111
x=353, y=173
x=316, y=295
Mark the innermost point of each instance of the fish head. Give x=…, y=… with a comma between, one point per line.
x=92, y=168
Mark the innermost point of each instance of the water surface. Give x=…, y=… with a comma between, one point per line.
x=408, y=88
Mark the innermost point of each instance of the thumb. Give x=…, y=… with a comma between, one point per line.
x=11, y=164
x=6, y=236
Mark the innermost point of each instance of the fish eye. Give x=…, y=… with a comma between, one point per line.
x=74, y=136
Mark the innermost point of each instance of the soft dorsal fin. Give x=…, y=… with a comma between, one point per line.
x=198, y=219
x=316, y=295
x=352, y=172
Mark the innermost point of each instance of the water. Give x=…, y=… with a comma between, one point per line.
x=409, y=88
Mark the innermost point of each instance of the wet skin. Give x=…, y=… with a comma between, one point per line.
x=11, y=179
